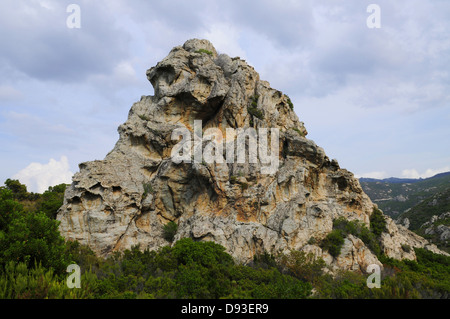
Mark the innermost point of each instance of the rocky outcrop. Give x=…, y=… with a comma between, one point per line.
x=248, y=206
x=433, y=227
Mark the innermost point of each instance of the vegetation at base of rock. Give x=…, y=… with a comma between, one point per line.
x=30, y=237
x=342, y=228
x=333, y=242
x=204, y=51
x=34, y=258
x=169, y=231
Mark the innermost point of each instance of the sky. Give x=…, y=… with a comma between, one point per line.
x=377, y=99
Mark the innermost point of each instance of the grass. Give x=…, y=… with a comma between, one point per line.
x=204, y=51
x=299, y=132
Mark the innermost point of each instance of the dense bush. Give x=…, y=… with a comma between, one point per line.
x=191, y=270
x=169, y=231
x=377, y=222
x=343, y=227
x=333, y=242
x=18, y=281
x=255, y=112
x=301, y=265
x=29, y=237
x=51, y=200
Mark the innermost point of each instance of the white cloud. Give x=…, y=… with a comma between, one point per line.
x=38, y=177
x=7, y=92
x=413, y=173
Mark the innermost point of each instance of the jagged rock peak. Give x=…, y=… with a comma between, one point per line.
x=197, y=45
x=282, y=194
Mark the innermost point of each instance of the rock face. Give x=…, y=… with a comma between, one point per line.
x=128, y=197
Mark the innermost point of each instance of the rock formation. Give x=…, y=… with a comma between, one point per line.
x=127, y=198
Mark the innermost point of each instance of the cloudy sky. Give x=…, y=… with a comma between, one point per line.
x=376, y=99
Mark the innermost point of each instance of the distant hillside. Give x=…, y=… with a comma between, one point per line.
x=422, y=205
x=395, y=195
x=431, y=219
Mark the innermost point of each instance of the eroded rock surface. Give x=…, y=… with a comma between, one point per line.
x=128, y=197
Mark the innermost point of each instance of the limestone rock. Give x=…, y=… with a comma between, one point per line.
x=127, y=198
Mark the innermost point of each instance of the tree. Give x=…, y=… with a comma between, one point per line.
x=51, y=200
x=19, y=190
x=377, y=222
x=8, y=208
x=32, y=238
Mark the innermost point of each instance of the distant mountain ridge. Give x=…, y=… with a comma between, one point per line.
x=402, y=180
x=395, y=195
x=422, y=205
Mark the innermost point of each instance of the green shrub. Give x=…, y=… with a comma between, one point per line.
x=264, y=260
x=333, y=242
x=51, y=200
x=291, y=105
x=299, y=132
x=358, y=229
x=254, y=100
x=377, y=222
x=255, y=112
x=169, y=231
x=21, y=282
x=34, y=238
x=204, y=51
x=302, y=265
x=9, y=209
x=205, y=253
x=18, y=190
